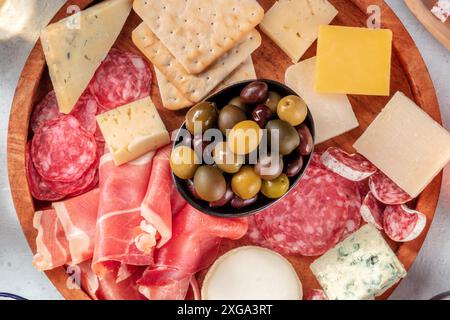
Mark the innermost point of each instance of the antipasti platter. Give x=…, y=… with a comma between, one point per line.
x=225, y=149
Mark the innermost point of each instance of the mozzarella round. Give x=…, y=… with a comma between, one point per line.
x=252, y=273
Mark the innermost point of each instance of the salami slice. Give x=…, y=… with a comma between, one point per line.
x=386, y=191
x=122, y=78
x=62, y=150
x=85, y=111
x=314, y=216
x=45, y=110
x=372, y=211
x=403, y=224
x=38, y=186
x=81, y=185
x=315, y=294
x=353, y=167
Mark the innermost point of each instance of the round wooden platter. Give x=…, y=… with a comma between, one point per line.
x=409, y=74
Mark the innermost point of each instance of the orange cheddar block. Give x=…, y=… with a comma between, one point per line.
x=353, y=60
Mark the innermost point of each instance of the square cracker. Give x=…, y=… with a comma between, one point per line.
x=173, y=99
x=198, y=32
x=246, y=71
x=193, y=87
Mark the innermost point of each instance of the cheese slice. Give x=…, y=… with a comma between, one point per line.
x=361, y=267
x=294, y=24
x=406, y=144
x=133, y=130
x=74, y=47
x=353, y=60
x=332, y=113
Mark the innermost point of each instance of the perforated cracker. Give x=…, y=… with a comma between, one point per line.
x=173, y=99
x=193, y=87
x=198, y=32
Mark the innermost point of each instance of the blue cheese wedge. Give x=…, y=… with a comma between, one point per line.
x=361, y=267
x=74, y=47
x=133, y=130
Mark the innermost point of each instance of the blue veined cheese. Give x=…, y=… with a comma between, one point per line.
x=75, y=47
x=133, y=130
x=361, y=267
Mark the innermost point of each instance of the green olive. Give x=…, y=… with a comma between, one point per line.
x=184, y=162
x=245, y=137
x=246, y=183
x=292, y=109
x=269, y=168
x=272, y=101
x=288, y=138
x=276, y=188
x=205, y=114
x=209, y=183
x=225, y=159
x=236, y=101
x=229, y=116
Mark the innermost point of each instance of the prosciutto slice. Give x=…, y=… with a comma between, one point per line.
x=66, y=233
x=121, y=232
x=161, y=200
x=193, y=247
x=52, y=249
x=109, y=288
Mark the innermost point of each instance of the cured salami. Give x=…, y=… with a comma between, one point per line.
x=85, y=111
x=48, y=190
x=315, y=294
x=321, y=210
x=372, y=211
x=122, y=78
x=62, y=150
x=403, y=224
x=353, y=167
x=386, y=191
x=38, y=186
x=45, y=110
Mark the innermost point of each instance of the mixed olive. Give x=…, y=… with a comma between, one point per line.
x=260, y=143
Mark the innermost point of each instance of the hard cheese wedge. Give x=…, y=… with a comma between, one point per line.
x=133, y=130
x=74, y=47
x=361, y=267
x=332, y=113
x=353, y=60
x=294, y=24
x=406, y=144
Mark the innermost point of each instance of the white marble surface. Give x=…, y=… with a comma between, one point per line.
x=430, y=274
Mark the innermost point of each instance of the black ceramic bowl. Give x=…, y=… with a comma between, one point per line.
x=221, y=99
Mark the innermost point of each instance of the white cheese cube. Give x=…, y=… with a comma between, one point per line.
x=406, y=144
x=133, y=130
x=294, y=24
x=361, y=267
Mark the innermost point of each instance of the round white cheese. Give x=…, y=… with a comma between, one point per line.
x=252, y=273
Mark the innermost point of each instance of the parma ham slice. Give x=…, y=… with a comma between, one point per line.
x=161, y=200
x=66, y=234
x=108, y=288
x=194, y=246
x=52, y=249
x=122, y=234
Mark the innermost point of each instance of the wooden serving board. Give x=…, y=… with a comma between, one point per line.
x=409, y=74
x=422, y=10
